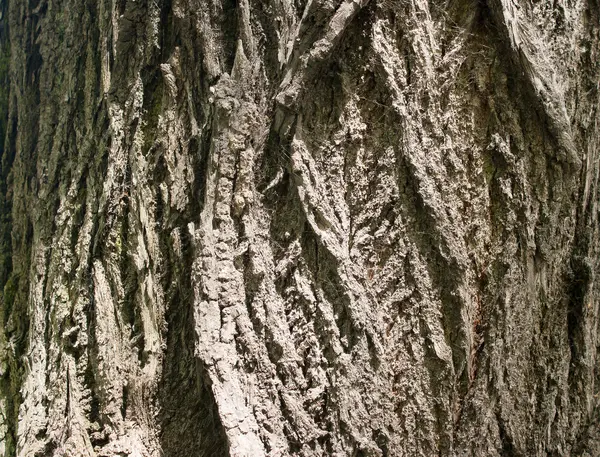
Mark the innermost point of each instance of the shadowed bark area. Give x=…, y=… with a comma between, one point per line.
x=299, y=228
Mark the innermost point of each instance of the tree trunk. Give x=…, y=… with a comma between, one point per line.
x=255, y=228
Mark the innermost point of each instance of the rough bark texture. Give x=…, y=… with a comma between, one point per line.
x=299, y=228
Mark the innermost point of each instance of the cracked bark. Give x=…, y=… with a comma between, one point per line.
x=308, y=228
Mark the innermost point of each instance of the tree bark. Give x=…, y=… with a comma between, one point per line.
x=299, y=228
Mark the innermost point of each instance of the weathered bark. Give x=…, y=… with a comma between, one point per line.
x=306, y=228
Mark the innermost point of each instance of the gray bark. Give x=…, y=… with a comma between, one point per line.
x=299, y=228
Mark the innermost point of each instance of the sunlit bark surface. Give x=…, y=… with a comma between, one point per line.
x=251, y=228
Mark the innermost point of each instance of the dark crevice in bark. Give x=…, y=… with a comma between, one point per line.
x=189, y=420
x=198, y=149
x=508, y=448
x=169, y=36
x=252, y=282
x=15, y=250
x=229, y=26
x=428, y=234
x=91, y=369
x=152, y=104
x=274, y=160
x=444, y=271
x=131, y=305
x=126, y=62
x=120, y=6
x=79, y=212
x=294, y=441
x=580, y=279
x=268, y=41
x=513, y=45
x=92, y=176
x=326, y=277
x=7, y=152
